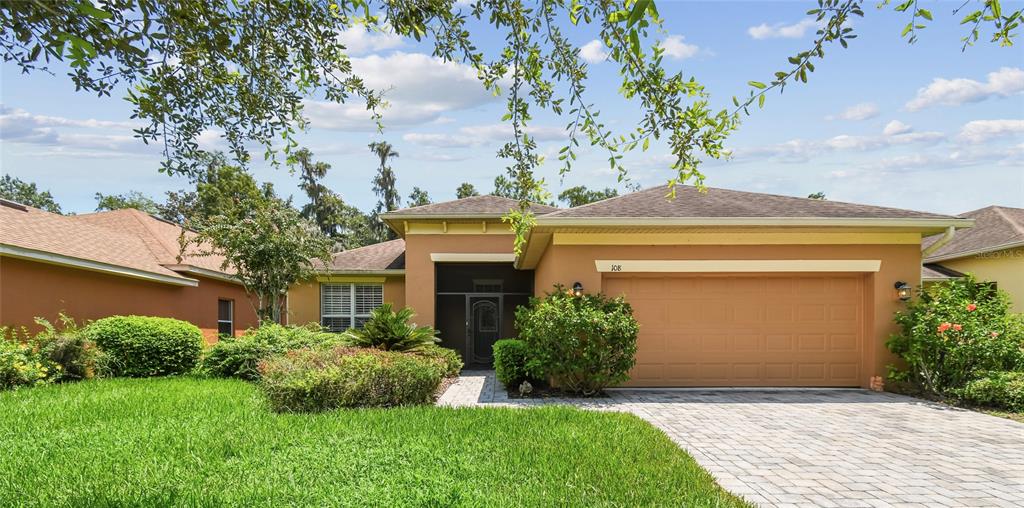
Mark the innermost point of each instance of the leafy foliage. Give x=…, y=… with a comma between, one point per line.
x=1000, y=390
x=343, y=223
x=130, y=199
x=142, y=346
x=67, y=348
x=384, y=186
x=389, y=330
x=268, y=245
x=953, y=332
x=513, y=363
x=17, y=190
x=239, y=357
x=580, y=195
x=308, y=380
x=449, y=359
x=21, y=365
x=584, y=343
x=418, y=197
x=465, y=190
x=817, y=195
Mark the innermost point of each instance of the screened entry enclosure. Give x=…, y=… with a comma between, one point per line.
x=476, y=304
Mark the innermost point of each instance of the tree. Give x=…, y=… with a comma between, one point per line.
x=384, y=186
x=418, y=197
x=268, y=245
x=244, y=68
x=221, y=189
x=505, y=188
x=580, y=195
x=17, y=190
x=130, y=199
x=817, y=195
x=466, y=190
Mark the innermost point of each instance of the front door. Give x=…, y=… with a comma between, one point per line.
x=484, y=327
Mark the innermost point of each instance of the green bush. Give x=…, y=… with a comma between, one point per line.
x=240, y=356
x=1001, y=390
x=141, y=346
x=391, y=331
x=584, y=343
x=309, y=380
x=954, y=331
x=513, y=363
x=449, y=359
x=20, y=365
x=72, y=353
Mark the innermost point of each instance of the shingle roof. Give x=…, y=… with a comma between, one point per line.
x=722, y=203
x=388, y=255
x=473, y=205
x=995, y=228
x=161, y=237
x=932, y=271
x=31, y=228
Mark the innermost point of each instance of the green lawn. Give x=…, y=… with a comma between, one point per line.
x=195, y=442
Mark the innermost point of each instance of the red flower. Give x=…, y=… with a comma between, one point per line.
x=995, y=334
x=944, y=326
x=958, y=327
x=971, y=307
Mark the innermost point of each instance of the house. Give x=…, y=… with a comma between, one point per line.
x=992, y=250
x=730, y=288
x=109, y=263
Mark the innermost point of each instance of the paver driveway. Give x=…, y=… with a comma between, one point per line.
x=820, y=447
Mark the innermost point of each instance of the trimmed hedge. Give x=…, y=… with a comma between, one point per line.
x=143, y=346
x=1000, y=390
x=310, y=380
x=449, y=359
x=239, y=357
x=512, y=362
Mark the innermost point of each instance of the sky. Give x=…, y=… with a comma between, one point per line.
x=923, y=126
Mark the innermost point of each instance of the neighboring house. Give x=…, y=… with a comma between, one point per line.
x=101, y=264
x=992, y=250
x=730, y=288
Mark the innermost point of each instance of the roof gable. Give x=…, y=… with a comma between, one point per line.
x=382, y=256
x=995, y=228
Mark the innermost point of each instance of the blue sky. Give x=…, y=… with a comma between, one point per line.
x=920, y=126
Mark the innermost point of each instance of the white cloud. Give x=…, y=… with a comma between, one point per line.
x=359, y=41
x=677, y=49
x=782, y=30
x=802, y=150
x=954, y=92
x=418, y=88
x=862, y=111
x=69, y=135
x=477, y=135
x=895, y=127
x=593, y=52
x=979, y=131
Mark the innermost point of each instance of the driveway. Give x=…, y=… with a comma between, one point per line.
x=819, y=447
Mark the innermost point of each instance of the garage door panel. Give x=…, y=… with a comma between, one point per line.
x=745, y=330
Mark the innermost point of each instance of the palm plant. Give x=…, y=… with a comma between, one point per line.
x=392, y=331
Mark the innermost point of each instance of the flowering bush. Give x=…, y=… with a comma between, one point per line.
x=239, y=357
x=55, y=354
x=585, y=343
x=955, y=331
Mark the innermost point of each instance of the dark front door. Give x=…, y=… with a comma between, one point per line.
x=484, y=327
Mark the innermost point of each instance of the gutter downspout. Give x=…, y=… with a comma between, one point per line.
x=946, y=237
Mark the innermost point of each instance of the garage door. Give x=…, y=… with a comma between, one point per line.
x=745, y=330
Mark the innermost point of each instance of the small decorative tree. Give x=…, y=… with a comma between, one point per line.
x=270, y=247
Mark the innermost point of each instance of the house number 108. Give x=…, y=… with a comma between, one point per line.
x=616, y=268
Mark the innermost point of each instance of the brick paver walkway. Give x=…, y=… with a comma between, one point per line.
x=841, y=448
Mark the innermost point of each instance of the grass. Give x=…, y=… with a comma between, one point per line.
x=199, y=442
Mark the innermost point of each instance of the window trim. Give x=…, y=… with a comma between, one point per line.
x=351, y=315
x=231, y=316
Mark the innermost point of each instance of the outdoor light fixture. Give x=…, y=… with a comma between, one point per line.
x=577, y=288
x=903, y=290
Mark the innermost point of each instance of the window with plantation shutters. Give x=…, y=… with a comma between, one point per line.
x=344, y=306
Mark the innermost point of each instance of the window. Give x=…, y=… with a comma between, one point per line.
x=487, y=285
x=225, y=317
x=344, y=306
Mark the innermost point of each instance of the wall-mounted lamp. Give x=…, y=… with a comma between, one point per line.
x=577, y=288
x=903, y=291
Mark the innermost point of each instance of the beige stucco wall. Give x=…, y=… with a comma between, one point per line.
x=566, y=264
x=1005, y=268
x=304, y=298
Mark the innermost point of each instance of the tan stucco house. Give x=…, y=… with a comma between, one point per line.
x=730, y=288
x=992, y=250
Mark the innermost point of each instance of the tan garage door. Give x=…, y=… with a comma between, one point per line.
x=745, y=330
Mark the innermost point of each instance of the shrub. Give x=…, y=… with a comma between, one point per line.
x=71, y=352
x=449, y=359
x=513, y=363
x=585, y=343
x=1001, y=390
x=954, y=331
x=20, y=365
x=391, y=331
x=307, y=380
x=140, y=346
x=239, y=357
